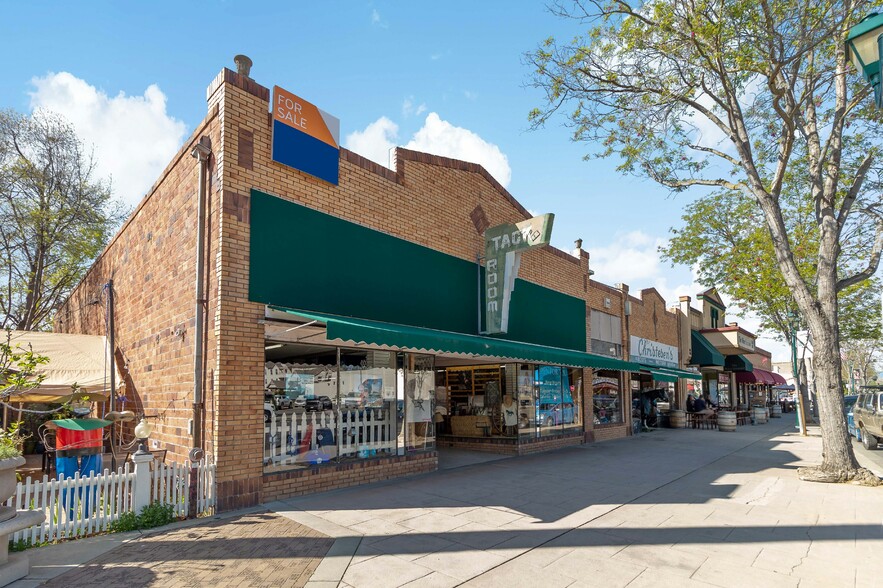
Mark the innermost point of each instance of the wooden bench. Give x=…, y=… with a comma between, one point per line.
x=701, y=421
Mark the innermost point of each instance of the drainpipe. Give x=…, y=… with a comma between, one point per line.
x=202, y=152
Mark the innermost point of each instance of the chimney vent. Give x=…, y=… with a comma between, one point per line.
x=243, y=65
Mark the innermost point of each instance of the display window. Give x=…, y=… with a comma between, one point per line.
x=326, y=404
x=512, y=400
x=607, y=398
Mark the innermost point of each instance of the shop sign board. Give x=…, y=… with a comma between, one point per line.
x=503, y=246
x=652, y=352
x=305, y=137
x=744, y=341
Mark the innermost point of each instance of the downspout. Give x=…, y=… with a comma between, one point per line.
x=202, y=152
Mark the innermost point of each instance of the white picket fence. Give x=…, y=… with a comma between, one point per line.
x=291, y=438
x=82, y=506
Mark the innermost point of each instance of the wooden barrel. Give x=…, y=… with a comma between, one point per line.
x=776, y=411
x=726, y=421
x=677, y=419
x=759, y=414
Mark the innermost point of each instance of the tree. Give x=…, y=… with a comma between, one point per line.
x=725, y=238
x=55, y=218
x=743, y=96
x=861, y=357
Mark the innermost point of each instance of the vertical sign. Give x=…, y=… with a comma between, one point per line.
x=503, y=246
x=305, y=137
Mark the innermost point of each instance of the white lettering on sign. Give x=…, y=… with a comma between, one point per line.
x=288, y=109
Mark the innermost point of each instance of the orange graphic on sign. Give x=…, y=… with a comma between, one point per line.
x=301, y=115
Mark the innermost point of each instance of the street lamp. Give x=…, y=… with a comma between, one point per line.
x=864, y=44
x=792, y=325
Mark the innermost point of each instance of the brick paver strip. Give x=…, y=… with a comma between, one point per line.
x=254, y=550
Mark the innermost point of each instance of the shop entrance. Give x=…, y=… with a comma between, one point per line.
x=498, y=407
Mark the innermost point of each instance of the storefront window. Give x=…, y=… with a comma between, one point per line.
x=607, y=398
x=419, y=402
x=723, y=391
x=527, y=400
x=368, y=403
x=300, y=400
x=575, y=397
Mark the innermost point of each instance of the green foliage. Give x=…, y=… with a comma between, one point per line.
x=11, y=440
x=152, y=515
x=54, y=217
x=23, y=544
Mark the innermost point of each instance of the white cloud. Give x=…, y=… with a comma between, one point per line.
x=133, y=137
x=472, y=96
x=375, y=142
x=438, y=137
x=377, y=21
x=409, y=108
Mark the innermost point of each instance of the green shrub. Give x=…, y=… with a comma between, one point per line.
x=152, y=515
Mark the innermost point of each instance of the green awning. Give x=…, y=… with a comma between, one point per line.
x=81, y=424
x=737, y=363
x=658, y=374
x=433, y=341
x=685, y=374
x=704, y=353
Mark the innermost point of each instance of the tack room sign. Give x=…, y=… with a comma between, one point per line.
x=305, y=137
x=503, y=245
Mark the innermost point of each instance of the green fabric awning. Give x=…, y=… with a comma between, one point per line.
x=685, y=374
x=367, y=331
x=658, y=374
x=704, y=353
x=81, y=424
x=737, y=363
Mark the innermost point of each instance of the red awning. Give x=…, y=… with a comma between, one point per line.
x=758, y=376
x=780, y=381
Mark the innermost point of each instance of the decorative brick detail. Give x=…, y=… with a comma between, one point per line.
x=479, y=219
x=246, y=148
x=228, y=76
x=238, y=205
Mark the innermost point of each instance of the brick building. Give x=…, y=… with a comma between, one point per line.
x=340, y=338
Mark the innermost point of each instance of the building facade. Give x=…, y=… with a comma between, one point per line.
x=335, y=331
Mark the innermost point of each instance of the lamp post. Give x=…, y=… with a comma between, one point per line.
x=864, y=45
x=801, y=419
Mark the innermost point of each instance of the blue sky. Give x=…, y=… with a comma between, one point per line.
x=451, y=72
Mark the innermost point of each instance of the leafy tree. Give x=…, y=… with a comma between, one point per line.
x=861, y=356
x=724, y=236
x=756, y=98
x=55, y=218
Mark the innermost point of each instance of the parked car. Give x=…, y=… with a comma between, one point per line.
x=269, y=409
x=319, y=403
x=554, y=414
x=300, y=401
x=868, y=415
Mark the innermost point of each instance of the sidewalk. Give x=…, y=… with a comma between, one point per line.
x=668, y=508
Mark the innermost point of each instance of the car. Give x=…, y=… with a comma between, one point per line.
x=868, y=415
x=554, y=414
x=318, y=403
x=269, y=410
x=300, y=401
x=282, y=402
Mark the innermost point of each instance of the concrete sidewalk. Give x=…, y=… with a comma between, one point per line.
x=667, y=508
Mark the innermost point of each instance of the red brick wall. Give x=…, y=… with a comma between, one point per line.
x=329, y=477
x=152, y=263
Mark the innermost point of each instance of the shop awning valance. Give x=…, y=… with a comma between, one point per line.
x=758, y=376
x=737, y=363
x=685, y=374
x=704, y=353
x=395, y=335
x=658, y=374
